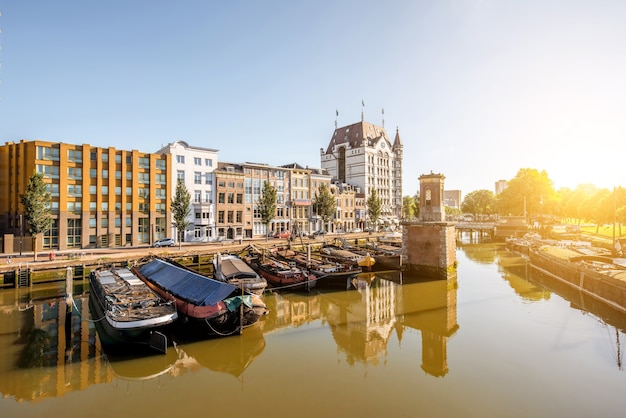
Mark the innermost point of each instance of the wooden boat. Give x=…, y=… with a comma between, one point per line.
x=214, y=307
x=230, y=268
x=281, y=274
x=321, y=268
x=339, y=253
x=131, y=312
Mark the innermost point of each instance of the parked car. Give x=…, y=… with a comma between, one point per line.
x=356, y=230
x=316, y=233
x=282, y=234
x=164, y=242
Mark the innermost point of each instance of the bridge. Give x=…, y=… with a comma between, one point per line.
x=478, y=229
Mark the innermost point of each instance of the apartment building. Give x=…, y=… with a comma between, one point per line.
x=300, y=198
x=195, y=166
x=346, y=211
x=101, y=197
x=318, y=177
x=362, y=155
x=256, y=174
x=230, y=206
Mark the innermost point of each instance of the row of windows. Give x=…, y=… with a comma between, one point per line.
x=230, y=216
x=76, y=190
x=75, y=155
x=180, y=159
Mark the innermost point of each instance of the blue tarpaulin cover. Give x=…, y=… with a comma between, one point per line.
x=187, y=285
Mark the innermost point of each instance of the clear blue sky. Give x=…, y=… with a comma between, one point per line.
x=478, y=89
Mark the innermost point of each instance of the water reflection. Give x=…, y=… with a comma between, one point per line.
x=52, y=348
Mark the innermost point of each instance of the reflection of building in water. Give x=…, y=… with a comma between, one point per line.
x=50, y=354
x=430, y=307
x=290, y=310
x=362, y=326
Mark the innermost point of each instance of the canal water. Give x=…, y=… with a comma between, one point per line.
x=497, y=340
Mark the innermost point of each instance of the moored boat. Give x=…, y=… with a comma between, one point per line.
x=128, y=310
x=231, y=269
x=214, y=307
x=281, y=274
x=325, y=270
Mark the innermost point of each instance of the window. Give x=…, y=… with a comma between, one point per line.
x=93, y=173
x=197, y=196
x=105, y=174
x=75, y=156
x=118, y=191
x=220, y=216
x=74, y=190
x=53, y=189
x=105, y=190
x=105, y=206
x=118, y=175
x=49, y=171
x=160, y=193
x=180, y=175
x=92, y=206
x=144, y=178
x=231, y=217
x=239, y=216
x=197, y=177
x=47, y=153
x=208, y=178
x=231, y=198
x=105, y=157
x=75, y=173
x=208, y=162
x=239, y=198
x=118, y=158
x=144, y=162
x=197, y=161
x=74, y=207
x=92, y=222
x=180, y=159
x=160, y=164
x=221, y=198
x=129, y=175
x=104, y=222
x=129, y=191
x=160, y=179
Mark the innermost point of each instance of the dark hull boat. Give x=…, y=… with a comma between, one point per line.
x=281, y=275
x=208, y=307
x=328, y=273
x=127, y=310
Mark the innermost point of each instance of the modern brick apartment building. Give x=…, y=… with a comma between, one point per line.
x=101, y=197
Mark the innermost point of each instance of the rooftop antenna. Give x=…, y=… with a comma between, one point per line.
x=362, y=108
x=336, y=117
x=383, y=112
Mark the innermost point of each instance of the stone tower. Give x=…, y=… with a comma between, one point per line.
x=428, y=245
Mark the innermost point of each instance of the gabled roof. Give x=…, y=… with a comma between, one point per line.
x=354, y=135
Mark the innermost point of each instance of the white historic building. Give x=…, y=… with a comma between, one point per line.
x=195, y=165
x=362, y=155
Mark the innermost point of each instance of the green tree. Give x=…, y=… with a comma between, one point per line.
x=36, y=203
x=409, y=207
x=266, y=205
x=324, y=204
x=374, y=207
x=181, y=208
x=530, y=193
x=479, y=203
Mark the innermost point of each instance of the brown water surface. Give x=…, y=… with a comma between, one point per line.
x=497, y=340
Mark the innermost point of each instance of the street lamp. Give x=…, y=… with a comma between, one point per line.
x=21, y=233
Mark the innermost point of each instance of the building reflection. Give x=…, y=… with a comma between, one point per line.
x=50, y=350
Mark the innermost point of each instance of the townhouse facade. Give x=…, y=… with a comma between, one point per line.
x=100, y=197
x=195, y=166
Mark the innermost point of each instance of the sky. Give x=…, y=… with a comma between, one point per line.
x=478, y=89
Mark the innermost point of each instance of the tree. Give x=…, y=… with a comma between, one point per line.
x=181, y=208
x=266, y=205
x=324, y=204
x=374, y=207
x=479, y=202
x=36, y=203
x=530, y=192
x=409, y=207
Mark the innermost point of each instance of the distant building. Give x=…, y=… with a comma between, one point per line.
x=500, y=186
x=452, y=198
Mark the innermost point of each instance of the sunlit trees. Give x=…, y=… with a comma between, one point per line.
x=409, y=208
x=479, y=203
x=530, y=193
